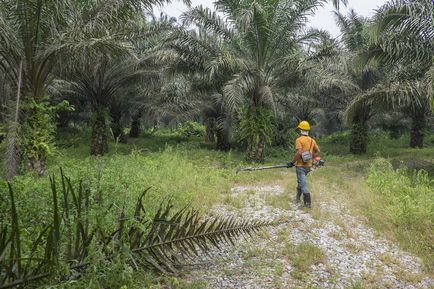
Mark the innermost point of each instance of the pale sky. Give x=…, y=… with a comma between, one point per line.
x=323, y=18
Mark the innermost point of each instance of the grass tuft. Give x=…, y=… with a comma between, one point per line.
x=302, y=257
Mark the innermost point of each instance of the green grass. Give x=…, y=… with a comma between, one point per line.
x=405, y=207
x=302, y=256
x=190, y=172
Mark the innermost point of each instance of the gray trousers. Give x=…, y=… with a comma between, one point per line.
x=301, y=179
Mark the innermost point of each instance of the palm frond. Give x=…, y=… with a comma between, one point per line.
x=224, y=63
x=429, y=80
x=10, y=49
x=325, y=80
x=207, y=19
x=353, y=28
x=193, y=51
x=229, y=8
x=174, y=99
x=12, y=155
x=337, y=3
x=404, y=96
x=172, y=241
x=313, y=34
x=404, y=31
x=237, y=89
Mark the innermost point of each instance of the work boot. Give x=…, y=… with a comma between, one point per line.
x=298, y=197
x=306, y=200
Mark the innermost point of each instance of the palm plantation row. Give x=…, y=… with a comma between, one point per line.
x=242, y=76
x=248, y=71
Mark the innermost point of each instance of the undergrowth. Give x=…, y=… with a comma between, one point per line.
x=404, y=206
x=188, y=172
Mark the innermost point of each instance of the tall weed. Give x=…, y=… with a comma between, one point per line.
x=406, y=204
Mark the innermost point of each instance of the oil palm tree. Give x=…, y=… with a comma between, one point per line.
x=189, y=54
x=47, y=35
x=152, y=101
x=26, y=27
x=257, y=44
x=355, y=38
x=101, y=82
x=409, y=96
x=403, y=40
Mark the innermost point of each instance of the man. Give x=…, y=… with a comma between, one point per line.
x=307, y=150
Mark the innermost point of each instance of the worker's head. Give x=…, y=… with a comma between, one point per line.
x=304, y=127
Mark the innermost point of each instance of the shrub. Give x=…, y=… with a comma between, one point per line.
x=378, y=134
x=284, y=137
x=430, y=139
x=190, y=129
x=341, y=137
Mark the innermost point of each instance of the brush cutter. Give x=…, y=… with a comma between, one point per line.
x=317, y=162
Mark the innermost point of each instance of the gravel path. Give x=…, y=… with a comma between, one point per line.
x=352, y=255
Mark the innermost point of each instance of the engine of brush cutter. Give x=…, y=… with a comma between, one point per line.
x=318, y=162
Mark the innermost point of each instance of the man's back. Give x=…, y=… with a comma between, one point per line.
x=305, y=143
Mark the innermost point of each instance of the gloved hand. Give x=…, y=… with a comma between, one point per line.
x=317, y=162
x=290, y=165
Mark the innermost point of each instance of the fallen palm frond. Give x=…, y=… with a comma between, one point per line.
x=172, y=241
x=169, y=239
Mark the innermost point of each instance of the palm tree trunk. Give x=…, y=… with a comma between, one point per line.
x=135, y=125
x=222, y=136
x=156, y=126
x=394, y=130
x=12, y=158
x=116, y=126
x=257, y=127
x=99, y=134
x=210, y=129
x=280, y=138
x=256, y=150
x=359, y=133
x=359, y=138
x=417, y=129
x=63, y=119
x=39, y=164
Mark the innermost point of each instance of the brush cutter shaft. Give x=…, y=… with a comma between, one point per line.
x=316, y=164
x=264, y=168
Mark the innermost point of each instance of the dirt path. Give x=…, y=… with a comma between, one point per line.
x=338, y=252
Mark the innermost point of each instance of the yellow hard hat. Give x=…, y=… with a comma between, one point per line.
x=304, y=125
